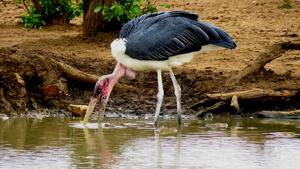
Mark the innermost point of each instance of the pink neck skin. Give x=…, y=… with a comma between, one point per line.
x=119, y=71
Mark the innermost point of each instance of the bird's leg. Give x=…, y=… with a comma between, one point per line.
x=160, y=96
x=177, y=94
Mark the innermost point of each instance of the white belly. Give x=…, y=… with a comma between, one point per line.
x=118, y=49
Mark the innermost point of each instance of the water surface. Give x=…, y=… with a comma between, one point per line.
x=223, y=143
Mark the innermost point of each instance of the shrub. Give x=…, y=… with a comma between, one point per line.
x=286, y=4
x=125, y=10
x=40, y=12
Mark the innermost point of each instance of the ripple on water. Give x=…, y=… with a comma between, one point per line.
x=96, y=125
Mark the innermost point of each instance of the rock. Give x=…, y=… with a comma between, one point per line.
x=78, y=109
x=20, y=79
x=4, y=117
x=56, y=89
x=50, y=91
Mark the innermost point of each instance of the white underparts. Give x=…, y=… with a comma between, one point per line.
x=118, y=48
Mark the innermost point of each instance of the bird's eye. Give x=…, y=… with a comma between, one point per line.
x=97, y=90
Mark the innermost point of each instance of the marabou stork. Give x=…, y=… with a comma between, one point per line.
x=158, y=42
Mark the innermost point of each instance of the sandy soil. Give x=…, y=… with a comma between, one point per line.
x=255, y=25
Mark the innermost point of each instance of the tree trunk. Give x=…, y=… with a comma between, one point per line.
x=38, y=6
x=58, y=20
x=93, y=22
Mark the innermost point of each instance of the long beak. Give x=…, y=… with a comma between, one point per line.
x=92, y=105
x=102, y=109
x=90, y=109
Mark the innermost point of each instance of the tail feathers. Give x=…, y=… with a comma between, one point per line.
x=228, y=45
x=226, y=41
x=216, y=35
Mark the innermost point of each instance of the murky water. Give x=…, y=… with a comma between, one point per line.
x=214, y=144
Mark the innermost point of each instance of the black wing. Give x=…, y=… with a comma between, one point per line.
x=163, y=35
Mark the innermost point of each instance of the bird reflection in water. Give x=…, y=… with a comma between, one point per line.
x=96, y=140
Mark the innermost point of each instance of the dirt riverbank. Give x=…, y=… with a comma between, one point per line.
x=29, y=80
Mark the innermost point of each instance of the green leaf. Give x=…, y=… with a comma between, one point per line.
x=168, y=6
x=19, y=1
x=44, y=23
x=97, y=8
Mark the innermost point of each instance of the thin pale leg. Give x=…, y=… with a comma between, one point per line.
x=177, y=94
x=160, y=96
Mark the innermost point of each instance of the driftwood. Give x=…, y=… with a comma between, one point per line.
x=292, y=114
x=252, y=94
x=273, y=52
x=250, y=99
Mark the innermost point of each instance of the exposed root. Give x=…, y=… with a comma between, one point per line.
x=75, y=74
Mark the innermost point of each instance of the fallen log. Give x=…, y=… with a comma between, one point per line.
x=252, y=94
x=248, y=100
x=292, y=114
x=273, y=52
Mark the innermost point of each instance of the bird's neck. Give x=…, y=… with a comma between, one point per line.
x=119, y=71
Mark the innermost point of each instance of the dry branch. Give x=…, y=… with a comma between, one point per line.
x=273, y=52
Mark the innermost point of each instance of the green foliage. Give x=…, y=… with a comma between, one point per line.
x=150, y=7
x=287, y=4
x=35, y=19
x=19, y=1
x=167, y=6
x=98, y=8
x=124, y=10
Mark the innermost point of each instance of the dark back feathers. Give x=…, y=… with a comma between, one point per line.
x=159, y=36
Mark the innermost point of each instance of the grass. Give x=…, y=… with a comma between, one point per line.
x=286, y=4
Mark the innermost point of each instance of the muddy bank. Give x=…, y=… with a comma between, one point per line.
x=31, y=78
x=30, y=81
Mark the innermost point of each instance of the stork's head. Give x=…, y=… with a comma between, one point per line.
x=103, y=89
x=101, y=92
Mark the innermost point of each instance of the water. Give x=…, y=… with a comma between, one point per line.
x=225, y=143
